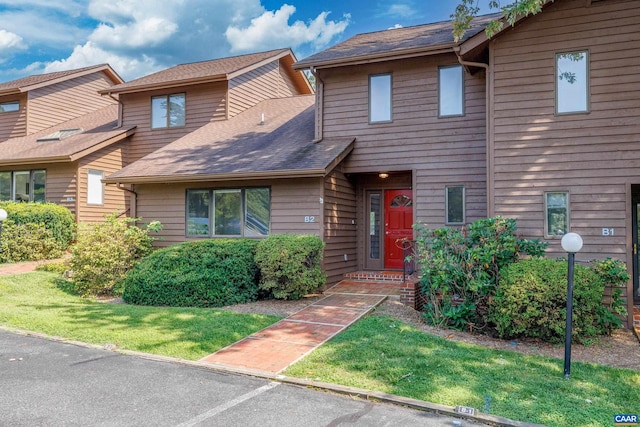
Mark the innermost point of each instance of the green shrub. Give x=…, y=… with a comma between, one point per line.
x=54, y=267
x=460, y=268
x=532, y=298
x=105, y=252
x=290, y=265
x=206, y=273
x=27, y=242
x=55, y=218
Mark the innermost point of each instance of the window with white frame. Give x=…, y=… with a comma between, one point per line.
x=450, y=91
x=455, y=204
x=168, y=111
x=556, y=213
x=95, y=187
x=9, y=107
x=572, y=82
x=380, y=98
x=23, y=186
x=230, y=212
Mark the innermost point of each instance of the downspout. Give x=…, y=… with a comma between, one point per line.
x=134, y=198
x=120, y=106
x=488, y=136
x=319, y=104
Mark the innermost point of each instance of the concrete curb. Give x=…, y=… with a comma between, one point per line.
x=335, y=388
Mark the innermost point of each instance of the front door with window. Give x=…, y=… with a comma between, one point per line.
x=636, y=250
x=398, y=222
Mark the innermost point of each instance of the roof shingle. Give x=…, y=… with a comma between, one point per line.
x=26, y=82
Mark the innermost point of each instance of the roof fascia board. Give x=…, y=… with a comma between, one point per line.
x=13, y=91
x=35, y=160
x=238, y=176
x=259, y=64
x=69, y=77
x=379, y=57
x=166, y=85
x=101, y=145
x=340, y=157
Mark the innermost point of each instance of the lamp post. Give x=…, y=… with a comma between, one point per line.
x=571, y=243
x=3, y=216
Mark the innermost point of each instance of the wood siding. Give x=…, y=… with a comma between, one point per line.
x=14, y=124
x=108, y=160
x=291, y=201
x=268, y=81
x=440, y=151
x=339, y=226
x=203, y=104
x=593, y=156
x=57, y=103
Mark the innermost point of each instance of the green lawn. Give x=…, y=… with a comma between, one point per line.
x=42, y=302
x=380, y=353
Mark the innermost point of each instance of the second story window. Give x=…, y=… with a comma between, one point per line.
x=450, y=91
x=380, y=98
x=168, y=111
x=572, y=82
x=9, y=107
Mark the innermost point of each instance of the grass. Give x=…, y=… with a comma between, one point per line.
x=43, y=302
x=380, y=353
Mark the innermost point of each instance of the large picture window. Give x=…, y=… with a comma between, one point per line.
x=380, y=98
x=572, y=82
x=557, y=213
x=450, y=91
x=236, y=212
x=23, y=186
x=168, y=111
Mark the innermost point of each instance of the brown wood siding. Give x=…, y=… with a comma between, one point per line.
x=592, y=156
x=339, y=226
x=291, y=201
x=57, y=103
x=250, y=88
x=108, y=160
x=14, y=124
x=441, y=151
x=60, y=185
x=204, y=103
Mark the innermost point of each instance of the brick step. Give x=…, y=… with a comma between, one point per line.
x=380, y=276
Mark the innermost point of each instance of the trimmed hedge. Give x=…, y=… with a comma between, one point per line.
x=531, y=299
x=206, y=273
x=55, y=218
x=290, y=265
x=27, y=242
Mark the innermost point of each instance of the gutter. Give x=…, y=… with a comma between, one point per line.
x=238, y=176
x=488, y=136
x=167, y=84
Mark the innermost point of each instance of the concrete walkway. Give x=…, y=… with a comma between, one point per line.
x=274, y=348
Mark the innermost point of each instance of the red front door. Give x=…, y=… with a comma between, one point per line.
x=398, y=222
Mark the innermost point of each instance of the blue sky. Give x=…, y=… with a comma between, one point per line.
x=138, y=37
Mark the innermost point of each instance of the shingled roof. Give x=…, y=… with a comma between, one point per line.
x=244, y=147
x=200, y=72
x=393, y=43
x=32, y=82
x=98, y=130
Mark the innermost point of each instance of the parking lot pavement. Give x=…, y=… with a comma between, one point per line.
x=48, y=383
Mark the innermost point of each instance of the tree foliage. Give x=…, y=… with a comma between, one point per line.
x=468, y=9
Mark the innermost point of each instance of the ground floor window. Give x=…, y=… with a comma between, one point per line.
x=95, y=188
x=235, y=212
x=454, y=201
x=557, y=213
x=23, y=186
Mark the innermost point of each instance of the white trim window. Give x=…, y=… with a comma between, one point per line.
x=450, y=91
x=572, y=82
x=556, y=206
x=168, y=111
x=455, y=204
x=23, y=186
x=380, y=97
x=95, y=187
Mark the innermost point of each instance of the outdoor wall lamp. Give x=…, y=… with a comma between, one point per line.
x=3, y=216
x=383, y=175
x=571, y=243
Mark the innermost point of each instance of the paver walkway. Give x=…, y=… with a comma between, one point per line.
x=276, y=347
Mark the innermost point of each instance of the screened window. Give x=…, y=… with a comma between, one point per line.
x=451, y=91
x=455, y=201
x=95, y=188
x=557, y=213
x=380, y=98
x=9, y=107
x=168, y=111
x=229, y=212
x=23, y=186
x=572, y=82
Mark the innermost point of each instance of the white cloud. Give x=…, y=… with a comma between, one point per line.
x=147, y=32
x=10, y=41
x=272, y=30
x=395, y=27
x=400, y=10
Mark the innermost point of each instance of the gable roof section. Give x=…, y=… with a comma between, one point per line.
x=200, y=72
x=243, y=147
x=26, y=84
x=393, y=44
x=99, y=131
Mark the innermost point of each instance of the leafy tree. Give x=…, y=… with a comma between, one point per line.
x=468, y=9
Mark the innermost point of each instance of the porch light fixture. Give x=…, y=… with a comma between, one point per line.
x=3, y=216
x=383, y=175
x=571, y=243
